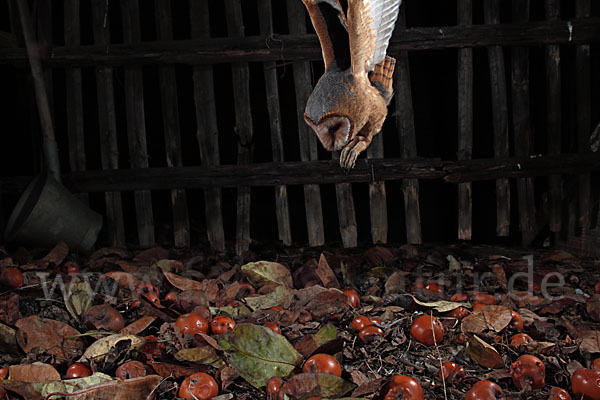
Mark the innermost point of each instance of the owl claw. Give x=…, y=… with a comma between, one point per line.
x=348, y=158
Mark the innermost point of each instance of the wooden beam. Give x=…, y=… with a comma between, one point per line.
x=405, y=122
x=136, y=122
x=107, y=126
x=308, y=140
x=553, y=118
x=465, y=123
x=500, y=118
x=208, y=131
x=306, y=47
x=318, y=172
x=522, y=125
x=265, y=17
x=172, y=134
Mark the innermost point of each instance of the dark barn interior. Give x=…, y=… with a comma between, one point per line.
x=180, y=125
x=513, y=102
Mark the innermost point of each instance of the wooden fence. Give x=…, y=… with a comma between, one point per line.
x=296, y=50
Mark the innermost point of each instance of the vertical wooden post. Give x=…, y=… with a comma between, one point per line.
x=377, y=196
x=405, y=122
x=170, y=113
x=206, y=119
x=107, y=125
x=265, y=16
x=243, y=124
x=77, y=158
x=346, y=212
x=136, y=122
x=308, y=140
x=553, y=117
x=500, y=118
x=522, y=124
x=465, y=122
x=584, y=128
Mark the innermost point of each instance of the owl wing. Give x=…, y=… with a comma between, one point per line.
x=329, y=19
x=370, y=26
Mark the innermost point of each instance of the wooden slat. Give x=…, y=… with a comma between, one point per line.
x=405, y=121
x=308, y=140
x=377, y=195
x=107, y=126
x=306, y=47
x=320, y=172
x=522, y=125
x=206, y=119
x=584, y=128
x=74, y=94
x=136, y=122
x=553, y=118
x=500, y=118
x=346, y=211
x=170, y=114
x=465, y=123
x=243, y=124
x=265, y=16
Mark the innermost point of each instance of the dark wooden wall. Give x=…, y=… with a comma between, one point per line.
x=186, y=118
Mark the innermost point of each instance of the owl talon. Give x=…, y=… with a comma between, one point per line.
x=348, y=158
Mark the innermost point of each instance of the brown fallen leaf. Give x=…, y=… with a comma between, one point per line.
x=590, y=342
x=50, y=336
x=326, y=274
x=592, y=306
x=529, y=317
x=36, y=372
x=208, y=286
x=498, y=270
x=378, y=256
x=130, y=389
x=396, y=283
x=484, y=354
x=525, y=299
x=494, y=318
x=125, y=280
x=57, y=254
x=167, y=370
x=152, y=255
x=136, y=327
x=9, y=308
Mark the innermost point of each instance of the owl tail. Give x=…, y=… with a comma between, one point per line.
x=381, y=78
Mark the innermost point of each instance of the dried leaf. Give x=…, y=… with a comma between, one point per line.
x=453, y=264
x=500, y=275
x=201, y=355
x=110, y=251
x=494, y=318
x=590, y=342
x=208, y=286
x=169, y=265
x=378, y=256
x=125, y=280
x=136, y=327
x=167, y=370
x=264, y=272
x=78, y=297
x=257, y=353
x=442, y=305
x=8, y=339
x=41, y=390
x=53, y=337
x=326, y=274
x=280, y=297
x=57, y=254
x=484, y=354
x=101, y=347
x=9, y=308
x=36, y=372
x=305, y=385
x=592, y=306
x=396, y=283
x=152, y=255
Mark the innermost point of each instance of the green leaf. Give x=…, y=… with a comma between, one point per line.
x=78, y=298
x=281, y=296
x=326, y=334
x=316, y=384
x=261, y=273
x=257, y=353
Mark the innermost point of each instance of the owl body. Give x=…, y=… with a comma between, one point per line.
x=349, y=103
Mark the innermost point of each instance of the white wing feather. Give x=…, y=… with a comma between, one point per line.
x=384, y=14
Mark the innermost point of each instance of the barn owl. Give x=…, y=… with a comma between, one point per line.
x=349, y=103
